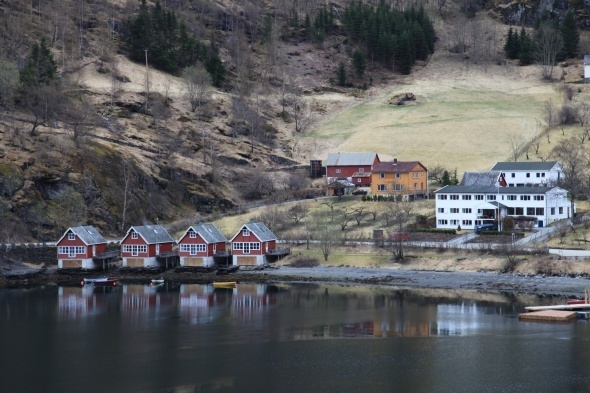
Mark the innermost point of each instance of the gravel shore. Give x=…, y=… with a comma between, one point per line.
x=480, y=281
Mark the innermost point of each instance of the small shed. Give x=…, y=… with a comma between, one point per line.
x=339, y=188
x=143, y=245
x=78, y=247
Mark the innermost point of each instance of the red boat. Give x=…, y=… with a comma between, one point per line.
x=577, y=301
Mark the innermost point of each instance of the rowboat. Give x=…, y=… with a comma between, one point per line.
x=224, y=284
x=157, y=281
x=99, y=281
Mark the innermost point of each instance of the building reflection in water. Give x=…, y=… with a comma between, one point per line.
x=81, y=302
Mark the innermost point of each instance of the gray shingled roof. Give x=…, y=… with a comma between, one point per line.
x=152, y=234
x=350, y=159
x=524, y=166
x=480, y=178
x=395, y=166
x=260, y=230
x=88, y=234
x=493, y=190
x=208, y=232
x=341, y=183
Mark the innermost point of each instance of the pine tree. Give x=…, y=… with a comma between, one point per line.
x=570, y=36
x=404, y=54
x=446, y=178
x=41, y=68
x=214, y=66
x=359, y=62
x=341, y=74
x=526, y=48
x=509, y=43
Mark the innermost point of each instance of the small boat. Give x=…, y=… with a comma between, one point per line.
x=577, y=301
x=224, y=284
x=99, y=281
x=157, y=281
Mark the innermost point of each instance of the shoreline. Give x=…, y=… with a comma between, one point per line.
x=453, y=280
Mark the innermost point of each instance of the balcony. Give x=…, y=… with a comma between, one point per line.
x=107, y=255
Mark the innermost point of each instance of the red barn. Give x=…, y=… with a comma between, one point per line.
x=346, y=165
x=142, y=245
x=78, y=246
x=251, y=244
x=199, y=244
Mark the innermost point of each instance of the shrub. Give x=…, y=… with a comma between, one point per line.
x=304, y=261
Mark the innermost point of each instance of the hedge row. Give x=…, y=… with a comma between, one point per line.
x=491, y=233
x=445, y=231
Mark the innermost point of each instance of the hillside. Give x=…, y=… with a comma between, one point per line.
x=122, y=162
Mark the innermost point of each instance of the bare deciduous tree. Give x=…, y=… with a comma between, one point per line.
x=399, y=213
x=197, y=86
x=549, y=43
x=327, y=239
x=573, y=157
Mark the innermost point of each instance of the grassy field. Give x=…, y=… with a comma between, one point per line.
x=462, y=118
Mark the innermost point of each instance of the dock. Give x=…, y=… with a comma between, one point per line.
x=548, y=316
x=558, y=307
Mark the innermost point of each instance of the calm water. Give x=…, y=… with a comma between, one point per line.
x=301, y=338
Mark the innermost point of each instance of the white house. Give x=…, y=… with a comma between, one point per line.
x=531, y=207
x=526, y=173
x=586, y=66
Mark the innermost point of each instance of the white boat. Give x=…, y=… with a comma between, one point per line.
x=158, y=281
x=99, y=281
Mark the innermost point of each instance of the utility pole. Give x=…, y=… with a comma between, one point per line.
x=147, y=81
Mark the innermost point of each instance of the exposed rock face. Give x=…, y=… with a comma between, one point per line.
x=527, y=12
x=402, y=99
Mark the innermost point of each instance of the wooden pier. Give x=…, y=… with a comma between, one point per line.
x=572, y=307
x=548, y=316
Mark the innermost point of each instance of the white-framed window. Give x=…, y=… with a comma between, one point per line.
x=454, y=222
x=511, y=197
x=513, y=175
x=134, y=235
x=193, y=234
x=398, y=187
x=415, y=186
x=443, y=222
x=552, y=211
x=397, y=175
x=479, y=197
x=71, y=236
x=467, y=222
x=246, y=232
x=454, y=197
x=539, y=211
x=466, y=210
x=454, y=210
x=358, y=180
x=361, y=170
x=543, y=174
x=538, y=174
x=246, y=248
x=525, y=197
x=528, y=174
x=338, y=170
x=442, y=197
x=193, y=249
x=466, y=197
x=530, y=211
x=381, y=175
x=72, y=251
x=415, y=175
x=381, y=187
x=491, y=197
x=539, y=197
x=441, y=209
x=561, y=210
x=135, y=249
x=237, y=246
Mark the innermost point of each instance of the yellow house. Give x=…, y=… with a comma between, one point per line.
x=399, y=178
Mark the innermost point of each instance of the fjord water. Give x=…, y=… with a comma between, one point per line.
x=287, y=338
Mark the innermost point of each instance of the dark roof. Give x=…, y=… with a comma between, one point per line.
x=396, y=167
x=260, y=230
x=480, y=178
x=524, y=166
x=208, y=232
x=88, y=234
x=341, y=183
x=494, y=190
x=361, y=174
x=349, y=159
x=152, y=234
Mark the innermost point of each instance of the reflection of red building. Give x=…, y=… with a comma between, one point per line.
x=250, y=300
x=78, y=246
x=199, y=244
x=142, y=245
x=75, y=302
